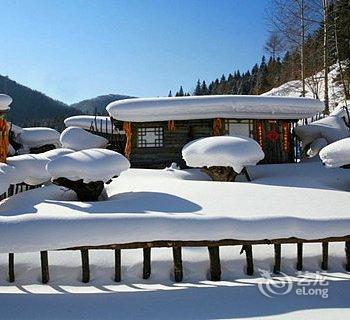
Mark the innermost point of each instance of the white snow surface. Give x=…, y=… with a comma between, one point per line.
x=5, y=101
x=31, y=168
x=314, y=88
x=208, y=107
x=316, y=146
x=6, y=177
x=97, y=123
x=234, y=151
x=89, y=165
x=332, y=128
x=78, y=139
x=300, y=200
x=39, y=136
x=336, y=154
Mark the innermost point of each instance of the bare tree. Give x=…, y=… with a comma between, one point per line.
x=274, y=45
x=294, y=20
x=325, y=55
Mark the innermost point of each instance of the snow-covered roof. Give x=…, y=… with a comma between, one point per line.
x=5, y=101
x=209, y=107
x=98, y=123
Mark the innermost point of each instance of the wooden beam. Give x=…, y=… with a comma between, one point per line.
x=146, y=263
x=249, y=258
x=117, y=265
x=347, y=254
x=277, y=266
x=85, y=265
x=11, y=267
x=44, y=267
x=215, y=266
x=299, y=256
x=324, y=264
x=177, y=256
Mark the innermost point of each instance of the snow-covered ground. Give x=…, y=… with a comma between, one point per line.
x=314, y=88
x=302, y=191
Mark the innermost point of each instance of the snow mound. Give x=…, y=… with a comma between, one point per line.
x=331, y=128
x=336, y=154
x=55, y=153
x=209, y=107
x=5, y=101
x=234, y=151
x=78, y=139
x=6, y=177
x=96, y=123
x=316, y=146
x=89, y=165
x=30, y=168
x=39, y=136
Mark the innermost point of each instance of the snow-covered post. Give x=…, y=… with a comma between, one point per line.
x=222, y=157
x=86, y=171
x=5, y=101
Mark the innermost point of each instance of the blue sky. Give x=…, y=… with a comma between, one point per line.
x=77, y=49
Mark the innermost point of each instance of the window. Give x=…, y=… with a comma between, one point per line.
x=150, y=137
x=238, y=127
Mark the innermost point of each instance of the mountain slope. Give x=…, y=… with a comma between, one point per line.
x=98, y=104
x=31, y=107
x=314, y=88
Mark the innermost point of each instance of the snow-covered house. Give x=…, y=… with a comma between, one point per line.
x=157, y=128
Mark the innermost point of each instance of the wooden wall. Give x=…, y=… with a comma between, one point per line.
x=188, y=130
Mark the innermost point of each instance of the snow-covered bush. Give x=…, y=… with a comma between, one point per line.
x=336, y=154
x=78, y=139
x=234, y=152
x=332, y=128
x=86, y=171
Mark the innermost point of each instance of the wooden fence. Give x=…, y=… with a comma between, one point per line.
x=213, y=250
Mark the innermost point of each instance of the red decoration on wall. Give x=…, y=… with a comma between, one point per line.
x=259, y=133
x=272, y=135
x=286, y=131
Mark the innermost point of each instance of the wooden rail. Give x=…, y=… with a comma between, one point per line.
x=213, y=251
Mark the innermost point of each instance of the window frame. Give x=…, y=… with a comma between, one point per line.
x=142, y=133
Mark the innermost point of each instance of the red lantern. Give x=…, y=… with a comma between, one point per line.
x=272, y=135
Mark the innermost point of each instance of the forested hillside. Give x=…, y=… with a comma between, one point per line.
x=98, y=104
x=297, y=49
x=33, y=108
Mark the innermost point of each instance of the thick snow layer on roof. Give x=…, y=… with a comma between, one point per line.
x=208, y=107
x=78, y=139
x=6, y=177
x=89, y=165
x=97, y=123
x=39, y=136
x=5, y=101
x=301, y=200
x=234, y=151
x=332, y=128
x=336, y=154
